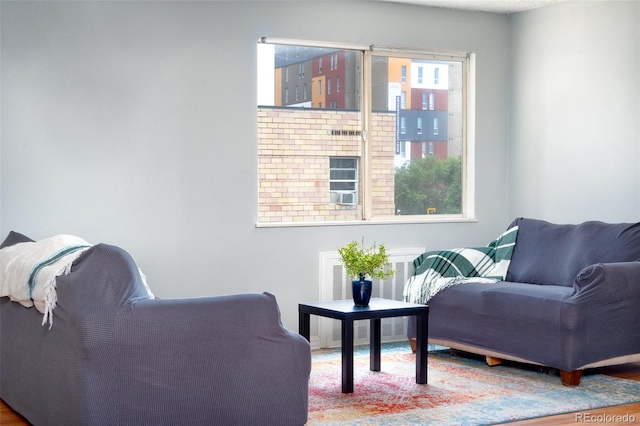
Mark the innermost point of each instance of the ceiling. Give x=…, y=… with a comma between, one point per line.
x=496, y=6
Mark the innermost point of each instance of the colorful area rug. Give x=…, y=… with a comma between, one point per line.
x=461, y=390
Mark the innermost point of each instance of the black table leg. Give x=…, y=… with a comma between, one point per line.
x=421, y=348
x=375, y=343
x=304, y=325
x=347, y=356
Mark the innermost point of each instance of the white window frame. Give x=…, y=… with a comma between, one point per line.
x=338, y=192
x=468, y=168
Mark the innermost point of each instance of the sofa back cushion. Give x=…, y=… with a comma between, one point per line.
x=15, y=238
x=548, y=253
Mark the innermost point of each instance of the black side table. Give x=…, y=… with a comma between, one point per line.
x=347, y=312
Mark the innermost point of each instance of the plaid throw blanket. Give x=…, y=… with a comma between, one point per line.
x=437, y=270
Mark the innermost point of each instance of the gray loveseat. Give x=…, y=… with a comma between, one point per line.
x=570, y=301
x=114, y=356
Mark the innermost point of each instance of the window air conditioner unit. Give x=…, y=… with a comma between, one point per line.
x=348, y=199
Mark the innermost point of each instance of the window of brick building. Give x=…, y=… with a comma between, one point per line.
x=343, y=180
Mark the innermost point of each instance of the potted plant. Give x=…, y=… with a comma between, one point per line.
x=362, y=263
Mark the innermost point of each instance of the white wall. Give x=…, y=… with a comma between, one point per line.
x=133, y=123
x=575, y=112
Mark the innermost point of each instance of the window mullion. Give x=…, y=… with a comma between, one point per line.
x=365, y=108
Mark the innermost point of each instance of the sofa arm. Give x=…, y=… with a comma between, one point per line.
x=606, y=282
x=210, y=360
x=599, y=319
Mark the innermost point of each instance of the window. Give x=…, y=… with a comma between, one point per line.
x=379, y=148
x=343, y=181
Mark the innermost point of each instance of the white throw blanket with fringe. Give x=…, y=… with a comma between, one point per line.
x=29, y=271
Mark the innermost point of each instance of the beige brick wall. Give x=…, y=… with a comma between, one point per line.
x=383, y=148
x=294, y=146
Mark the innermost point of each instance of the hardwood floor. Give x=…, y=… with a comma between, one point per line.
x=8, y=417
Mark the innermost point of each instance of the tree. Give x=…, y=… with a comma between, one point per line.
x=429, y=183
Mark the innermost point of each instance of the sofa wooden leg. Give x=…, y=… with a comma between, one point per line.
x=491, y=361
x=412, y=342
x=570, y=378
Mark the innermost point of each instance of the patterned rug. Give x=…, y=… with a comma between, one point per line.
x=461, y=390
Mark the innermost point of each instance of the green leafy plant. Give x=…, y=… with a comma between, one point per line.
x=429, y=183
x=361, y=262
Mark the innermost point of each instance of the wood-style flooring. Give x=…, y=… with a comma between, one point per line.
x=8, y=417
x=632, y=411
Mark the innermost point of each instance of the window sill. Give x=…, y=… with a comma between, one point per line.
x=391, y=220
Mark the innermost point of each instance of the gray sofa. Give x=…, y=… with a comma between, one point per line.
x=570, y=301
x=114, y=356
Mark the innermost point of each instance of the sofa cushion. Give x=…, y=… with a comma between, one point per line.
x=553, y=254
x=15, y=238
x=503, y=317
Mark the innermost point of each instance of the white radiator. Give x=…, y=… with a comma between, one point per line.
x=335, y=285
